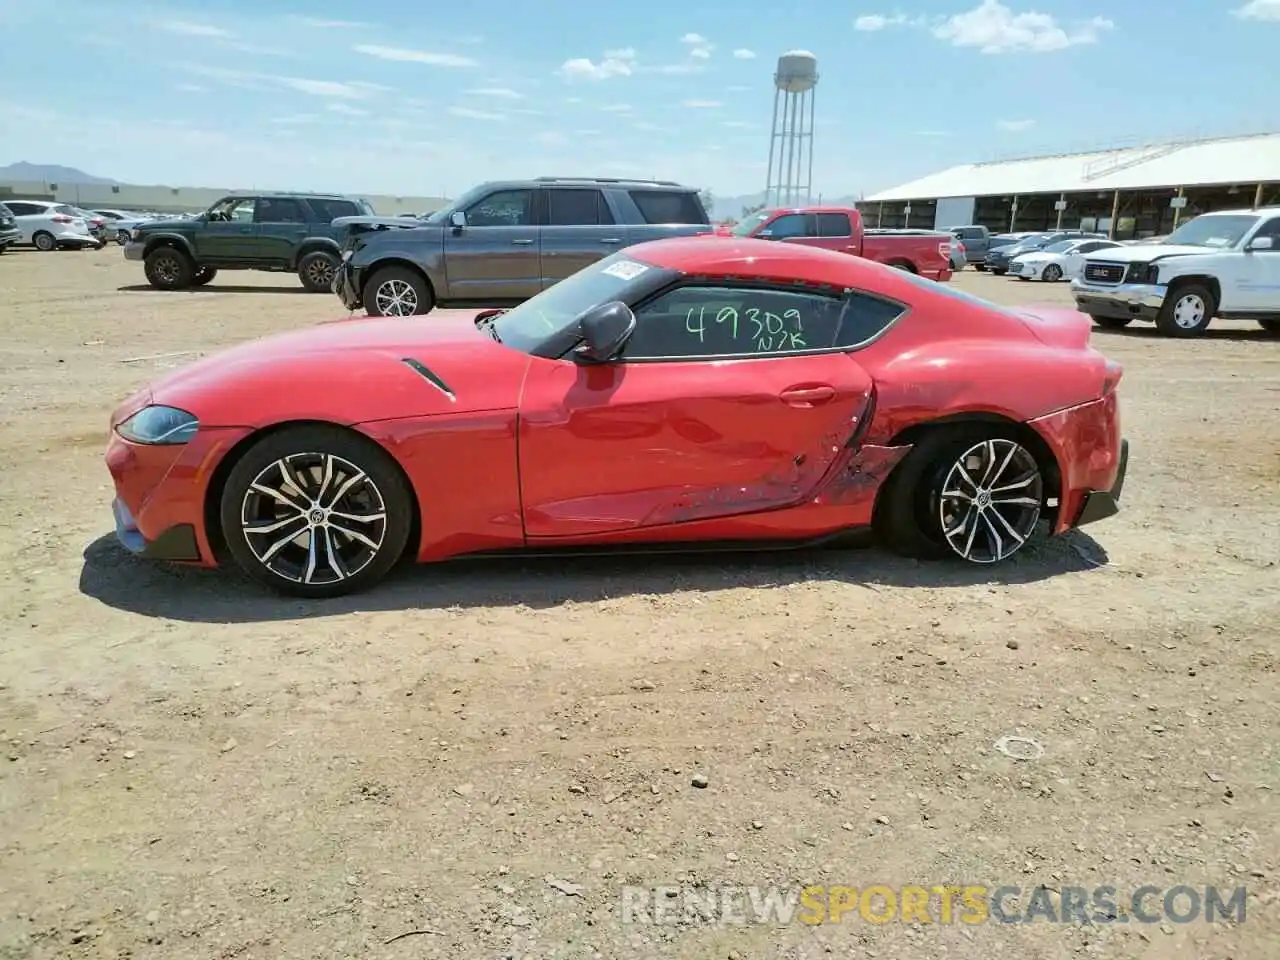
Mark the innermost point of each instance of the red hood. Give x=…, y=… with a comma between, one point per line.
x=348, y=371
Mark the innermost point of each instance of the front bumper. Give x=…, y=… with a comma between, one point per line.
x=177, y=543
x=346, y=284
x=133, y=250
x=1141, y=301
x=1092, y=458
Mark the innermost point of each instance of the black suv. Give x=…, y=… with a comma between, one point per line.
x=278, y=232
x=503, y=242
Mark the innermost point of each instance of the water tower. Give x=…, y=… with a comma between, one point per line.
x=790, y=178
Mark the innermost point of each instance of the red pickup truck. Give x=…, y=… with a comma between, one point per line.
x=840, y=228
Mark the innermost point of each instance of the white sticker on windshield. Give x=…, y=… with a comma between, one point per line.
x=625, y=269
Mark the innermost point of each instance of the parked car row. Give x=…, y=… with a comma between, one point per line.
x=47, y=225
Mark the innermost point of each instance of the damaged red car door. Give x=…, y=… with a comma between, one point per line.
x=610, y=447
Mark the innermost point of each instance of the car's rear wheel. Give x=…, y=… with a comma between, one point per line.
x=972, y=494
x=998, y=272
x=1187, y=311
x=122, y=237
x=316, y=271
x=1111, y=323
x=397, y=292
x=45, y=241
x=203, y=276
x=316, y=511
x=1052, y=273
x=167, y=268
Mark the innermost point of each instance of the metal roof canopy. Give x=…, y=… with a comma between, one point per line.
x=1223, y=160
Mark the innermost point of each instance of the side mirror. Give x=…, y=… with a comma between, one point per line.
x=605, y=329
x=1262, y=243
x=458, y=219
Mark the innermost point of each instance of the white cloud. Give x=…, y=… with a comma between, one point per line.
x=187, y=29
x=742, y=53
x=701, y=53
x=1259, y=10
x=993, y=28
x=401, y=55
x=477, y=114
x=191, y=88
x=702, y=104
x=614, y=63
x=330, y=24
x=737, y=124
x=617, y=108
x=875, y=21
x=1015, y=125
x=347, y=111
x=502, y=93
x=694, y=40
x=329, y=88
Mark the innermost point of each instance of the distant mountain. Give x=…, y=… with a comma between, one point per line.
x=49, y=173
x=730, y=208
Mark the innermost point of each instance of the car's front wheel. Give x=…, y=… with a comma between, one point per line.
x=1187, y=312
x=316, y=271
x=122, y=237
x=970, y=494
x=316, y=511
x=397, y=292
x=1052, y=273
x=168, y=269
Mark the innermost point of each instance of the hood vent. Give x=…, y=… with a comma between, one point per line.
x=430, y=376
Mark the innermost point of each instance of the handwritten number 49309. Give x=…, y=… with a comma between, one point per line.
x=768, y=331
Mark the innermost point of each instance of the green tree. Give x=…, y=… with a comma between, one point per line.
x=708, y=200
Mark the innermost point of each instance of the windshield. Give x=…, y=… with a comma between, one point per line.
x=366, y=208
x=1062, y=246
x=1213, y=231
x=744, y=228
x=556, y=309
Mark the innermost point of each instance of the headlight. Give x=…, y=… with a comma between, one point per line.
x=159, y=425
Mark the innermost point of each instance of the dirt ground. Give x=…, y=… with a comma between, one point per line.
x=193, y=768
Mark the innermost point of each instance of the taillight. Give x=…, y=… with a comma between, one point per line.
x=1111, y=377
x=62, y=218
x=944, y=250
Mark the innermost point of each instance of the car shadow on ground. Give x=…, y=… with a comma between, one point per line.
x=118, y=579
x=1146, y=331
x=212, y=288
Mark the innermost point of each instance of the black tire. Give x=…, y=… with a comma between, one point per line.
x=902, y=265
x=1052, y=273
x=316, y=271
x=1269, y=324
x=998, y=272
x=390, y=282
x=1187, y=312
x=203, y=276
x=168, y=268
x=1111, y=323
x=44, y=241
x=382, y=493
x=909, y=512
x=980, y=267
x=122, y=237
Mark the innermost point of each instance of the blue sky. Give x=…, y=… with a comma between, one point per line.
x=419, y=99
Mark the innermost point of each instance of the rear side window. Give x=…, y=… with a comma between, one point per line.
x=834, y=225
x=279, y=210
x=669, y=206
x=20, y=209
x=66, y=211
x=5, y=211
x=576, y=208
x=328, y=209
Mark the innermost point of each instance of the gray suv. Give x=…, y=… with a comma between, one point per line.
x=505, y=241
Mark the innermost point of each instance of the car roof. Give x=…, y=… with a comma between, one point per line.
x=629, y=184
x=747, y=258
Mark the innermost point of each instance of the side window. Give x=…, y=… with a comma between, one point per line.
x=327, y=209
x=1091, y=246
x=834, y=225
x=669, y=206
x=1270, y=229
x=21, y=209
x=702, y=321
x=574, y=208
x=506, y=208
x=238, y=209
x=279, y=210
x=789, y=225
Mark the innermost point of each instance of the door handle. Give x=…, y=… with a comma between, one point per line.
x=522, y=242
x=245, y=230
x=611, y=240
x=807, y=396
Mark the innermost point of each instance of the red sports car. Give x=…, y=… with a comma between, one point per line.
x=682, y=394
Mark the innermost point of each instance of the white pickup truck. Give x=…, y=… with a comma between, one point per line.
x=1216, y=265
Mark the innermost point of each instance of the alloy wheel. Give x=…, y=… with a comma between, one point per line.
x=1188, y=312
x=396, y=298
x=314, y=518
x=1053, y=273
x=168, y=269
x=320, y=272
x=990, y=501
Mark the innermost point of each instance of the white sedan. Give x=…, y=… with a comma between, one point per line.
x=1059, y=261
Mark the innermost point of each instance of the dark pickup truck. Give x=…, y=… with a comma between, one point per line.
x=505, y=241
x=276, y=232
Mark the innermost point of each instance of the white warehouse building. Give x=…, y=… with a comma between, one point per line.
x=1126, y=193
